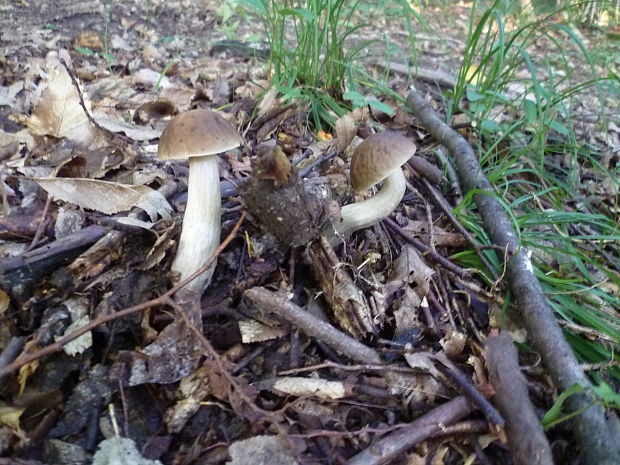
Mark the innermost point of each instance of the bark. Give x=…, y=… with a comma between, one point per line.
x=598, y=436
x=526, y=438
x=278, y=304
x=388, y=447
x=33, y=265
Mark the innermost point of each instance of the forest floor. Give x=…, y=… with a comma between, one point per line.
x=91, y=221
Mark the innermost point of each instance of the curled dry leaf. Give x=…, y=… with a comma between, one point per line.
x=253, y=331
x=300, y=386
x=453, y=343
x=106, y=197
x=346, y=126
x=262, y=450
x=78, y=308
x=193, y=390
x=59, y=113
x=268, y=102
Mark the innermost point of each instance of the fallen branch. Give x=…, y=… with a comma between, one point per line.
x=163, y=299
x=276, y=303
x=430, y=424
x=526, y=438
x=598, y=438
x=441, y=78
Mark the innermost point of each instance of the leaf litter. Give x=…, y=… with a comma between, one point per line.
x=254, y=388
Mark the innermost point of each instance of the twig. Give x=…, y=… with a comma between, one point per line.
x=427, y=251
x=447, y=210
x=338, y=366
x=448, y=368
x=83, y=105
x=591, y=427
x=424, y=74
x=163, y=299
x=388, y=447
x=304, y=172
x=37, y=235
x=426, y=170
x=275, y=303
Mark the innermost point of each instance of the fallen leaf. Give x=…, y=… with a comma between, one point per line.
x=135, y=132
x=253, y=331
x=78, y=308
x=104, y=196
x=268, y=102
x=300, y=386
x=120, y=451
x=261, y=450
x=59, y=113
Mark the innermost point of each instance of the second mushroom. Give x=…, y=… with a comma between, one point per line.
x=378, y=158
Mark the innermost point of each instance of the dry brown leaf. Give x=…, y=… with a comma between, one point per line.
x=268, y=102
x=120, y=451
x=78, y=308
x=59, y=113
x=106, y=197
x=453, y=343
x=346, y=127
x=441, y=237
x=193, y=390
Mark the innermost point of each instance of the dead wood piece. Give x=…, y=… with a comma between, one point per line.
x=424, y=74
x=526, y=438
x=276, y=303
x=21, y=226
x=427, y=170
x=33, y=265
x=346, y=300
x=598, y=437
x=278, y=201
x=388, y=447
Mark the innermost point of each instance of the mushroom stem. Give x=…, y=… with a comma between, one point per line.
x=363, y=214
x=200, y=235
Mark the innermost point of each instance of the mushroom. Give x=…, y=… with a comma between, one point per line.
x=198, y=135
x=378, y=158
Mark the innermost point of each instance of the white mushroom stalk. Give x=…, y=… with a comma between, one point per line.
x=198, y=135
x=361, y=215
x=378, y=158
x=200, y=235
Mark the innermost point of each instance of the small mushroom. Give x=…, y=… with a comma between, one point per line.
x=378, y=158
x=198, y=135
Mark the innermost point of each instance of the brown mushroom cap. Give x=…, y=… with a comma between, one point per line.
x=197, y=133
x=376, y=157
